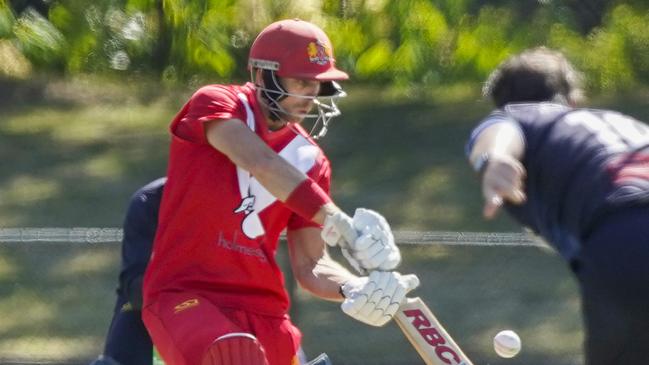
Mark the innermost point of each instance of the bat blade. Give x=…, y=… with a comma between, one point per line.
x=427, y=335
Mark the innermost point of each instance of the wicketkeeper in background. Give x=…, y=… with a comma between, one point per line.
x=128, y=342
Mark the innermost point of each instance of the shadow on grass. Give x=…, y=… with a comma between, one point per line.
x=76, y=165
x=475, y=293
x=56, y=300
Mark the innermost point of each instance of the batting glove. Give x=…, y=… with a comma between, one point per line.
x=374, y=249
x=375, y=299
x=339, y=231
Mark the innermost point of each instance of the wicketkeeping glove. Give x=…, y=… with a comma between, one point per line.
x=376, y=298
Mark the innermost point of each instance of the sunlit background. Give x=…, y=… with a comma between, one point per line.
x=88, y=88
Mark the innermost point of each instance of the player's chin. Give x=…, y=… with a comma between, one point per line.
x=297, y=116
x=290, y=118
x=300, y=110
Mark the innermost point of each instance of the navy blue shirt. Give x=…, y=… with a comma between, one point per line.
x=128, y=342
x=140, y=227
x=581, y=163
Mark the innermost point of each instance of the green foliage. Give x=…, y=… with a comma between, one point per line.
x=423, y=36
x=404, y=43
x=39, y=40
x=631, y=24
x=613, y=56
x=7, y=20
x=349, y=39
x=209, y=46
x=375, y=61
x=481, y=44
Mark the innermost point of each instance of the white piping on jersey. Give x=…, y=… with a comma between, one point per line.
x=299, y=152
x=243, y=176
x=237, y=334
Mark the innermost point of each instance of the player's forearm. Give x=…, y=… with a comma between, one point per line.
x=497, y=139
x=324, y=279
x=247, y=151
x=279, y=177
x=327, y=209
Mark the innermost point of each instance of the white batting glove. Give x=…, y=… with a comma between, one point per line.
x=339, y=231
x=376, y=298
x=374, y=249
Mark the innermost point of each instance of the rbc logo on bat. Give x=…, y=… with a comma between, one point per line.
x=432, y=337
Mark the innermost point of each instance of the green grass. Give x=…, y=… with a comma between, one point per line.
x=475, y=293
x=75, y=152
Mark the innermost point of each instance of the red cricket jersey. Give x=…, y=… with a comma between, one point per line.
x=218, y=228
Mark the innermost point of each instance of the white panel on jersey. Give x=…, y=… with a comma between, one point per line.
x=300, y=153
x=243, y=176
x=255, y=198
x=615, y=131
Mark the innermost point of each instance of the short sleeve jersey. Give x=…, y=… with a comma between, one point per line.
x=581, y=164
x=219, y=228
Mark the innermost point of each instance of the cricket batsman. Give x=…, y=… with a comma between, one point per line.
x=242, y=170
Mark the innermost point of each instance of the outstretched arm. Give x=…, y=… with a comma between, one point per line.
x=496, y=153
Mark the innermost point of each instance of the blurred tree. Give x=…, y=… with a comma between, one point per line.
x=418, y=43
x=161, y=51
x=588, y=14
x=7, y=20
x=41, y=6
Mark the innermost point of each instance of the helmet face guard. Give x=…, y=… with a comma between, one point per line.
x=272, y=92
x=297, y=49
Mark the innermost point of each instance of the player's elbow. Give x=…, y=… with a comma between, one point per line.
x=306, y=275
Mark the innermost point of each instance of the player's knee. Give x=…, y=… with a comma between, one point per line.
x=235, y=349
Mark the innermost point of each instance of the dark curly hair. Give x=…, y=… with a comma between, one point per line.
x=535, y=75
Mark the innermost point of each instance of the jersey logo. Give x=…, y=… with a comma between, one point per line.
x=255, y=198
x=190, y=303
x=247, y=205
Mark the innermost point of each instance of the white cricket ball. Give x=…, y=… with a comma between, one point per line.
x=507, y=344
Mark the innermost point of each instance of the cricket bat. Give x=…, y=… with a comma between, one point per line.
x=427, y=335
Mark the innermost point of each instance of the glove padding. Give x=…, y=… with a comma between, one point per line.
x=374, y=249
x=366, y=240
x=376, y=298
x=338, y=230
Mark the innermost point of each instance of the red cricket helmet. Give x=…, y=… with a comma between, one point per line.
x=295, y=48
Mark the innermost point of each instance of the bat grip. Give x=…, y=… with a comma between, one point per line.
x=352, y=261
